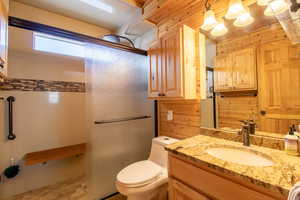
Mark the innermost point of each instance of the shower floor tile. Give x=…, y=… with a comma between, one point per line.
x=73, y=189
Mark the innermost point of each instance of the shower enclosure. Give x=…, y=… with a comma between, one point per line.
x=120, y=117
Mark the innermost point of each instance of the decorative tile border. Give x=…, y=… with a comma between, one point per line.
x=41, y=85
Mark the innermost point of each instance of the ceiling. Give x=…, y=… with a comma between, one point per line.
x=117, y=14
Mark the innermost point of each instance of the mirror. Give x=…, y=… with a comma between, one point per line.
x=228, y=103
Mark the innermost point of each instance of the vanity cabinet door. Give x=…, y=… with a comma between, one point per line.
x=171, y=65
x=3, y=38
x=210, y=184
x=155, y=86
x=178, y=67
x=244, y=70
x=179, y=191
x=223, y=73
x=279, y=75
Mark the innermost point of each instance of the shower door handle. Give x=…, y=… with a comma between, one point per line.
x=11, y=135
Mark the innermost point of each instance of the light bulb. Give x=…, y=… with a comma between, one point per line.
x=235, y=9
x=244, y=19
x=276, y=7
x=219, y=30
x=209, y=20
x=263, y=2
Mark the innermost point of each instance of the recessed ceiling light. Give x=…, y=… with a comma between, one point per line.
x=99, y=4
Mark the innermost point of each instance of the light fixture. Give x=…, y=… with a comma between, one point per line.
x=244, y=19
x=263, y=2
x=276, y=7
x=209, y=20
x=219, y=29
x=235, y=9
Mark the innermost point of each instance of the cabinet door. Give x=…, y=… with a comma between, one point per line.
x=3, y=38
x=179, y=191
x=155, y=71
x=172, y=72
x=279, y=75
x=223, y=73
x=244, y=70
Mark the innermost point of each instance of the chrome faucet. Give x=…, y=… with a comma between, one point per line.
x=245, y=132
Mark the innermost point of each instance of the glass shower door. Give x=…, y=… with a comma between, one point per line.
x=116, y=93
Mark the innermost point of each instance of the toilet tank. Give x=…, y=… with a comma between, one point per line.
x=158, y=153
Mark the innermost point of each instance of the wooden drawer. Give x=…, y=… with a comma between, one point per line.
x=211, y=184
x=180, y=191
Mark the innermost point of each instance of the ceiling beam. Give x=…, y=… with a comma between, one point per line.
x=135, y=3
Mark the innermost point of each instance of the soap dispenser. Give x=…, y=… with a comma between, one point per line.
x=291, y=143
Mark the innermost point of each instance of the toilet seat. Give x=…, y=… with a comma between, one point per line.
x=139, y=174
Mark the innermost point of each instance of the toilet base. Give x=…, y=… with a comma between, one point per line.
x=160, y=193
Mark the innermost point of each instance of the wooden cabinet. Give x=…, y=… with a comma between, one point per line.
x=223, y=73
x=189, y=181
x=3, y=38
x=279, y=75
x=179, y=191
x=155, y=70
x=236, y=71
x=172, y=66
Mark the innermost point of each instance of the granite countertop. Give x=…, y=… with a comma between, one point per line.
x=279, y=177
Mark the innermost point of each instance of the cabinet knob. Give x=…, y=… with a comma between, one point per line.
x=263, y=112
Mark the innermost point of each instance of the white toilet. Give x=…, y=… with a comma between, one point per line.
x=147, y=179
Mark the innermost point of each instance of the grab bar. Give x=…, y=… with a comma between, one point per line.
x=121, y=119
x=11, y=135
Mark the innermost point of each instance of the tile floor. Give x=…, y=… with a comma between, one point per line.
x=73, y=189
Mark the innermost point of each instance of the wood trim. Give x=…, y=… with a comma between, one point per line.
x=34, y=26
x=54, y=154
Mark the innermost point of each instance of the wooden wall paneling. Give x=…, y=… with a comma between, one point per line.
x=232, y=109
x=186, y=122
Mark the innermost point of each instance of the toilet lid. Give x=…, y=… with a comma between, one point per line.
x=139, y=173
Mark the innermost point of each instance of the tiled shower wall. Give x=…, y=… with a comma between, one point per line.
x=49, y=112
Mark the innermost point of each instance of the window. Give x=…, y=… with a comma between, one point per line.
x=57, y=45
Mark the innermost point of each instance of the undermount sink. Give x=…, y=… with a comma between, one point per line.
x=241, y=156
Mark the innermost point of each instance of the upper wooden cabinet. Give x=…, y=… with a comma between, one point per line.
x=223, y=73
x=236, y=71
x=3, y=38
x=172, y=66
x=155, y=73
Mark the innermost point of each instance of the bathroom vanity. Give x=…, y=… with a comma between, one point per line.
x=198, y=171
